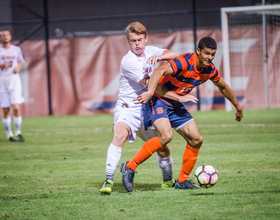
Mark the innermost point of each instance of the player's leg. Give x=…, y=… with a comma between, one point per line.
x=126, y=123
x=18, y=121
x=155, y=113
x=163, y=156
x=164, y=159
x=7, y=124
x=165, y=135
x=121, y=133
x=166, y=166
x=194, y=140
x=5, y=104
x=17, y=99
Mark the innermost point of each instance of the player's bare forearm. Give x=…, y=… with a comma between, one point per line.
x=228, y=94
x=145, y=96
x=166, y=55
x=18, y=67
x=179, y=98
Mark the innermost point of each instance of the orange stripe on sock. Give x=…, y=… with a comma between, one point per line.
x=144, y=153
x=189, y=160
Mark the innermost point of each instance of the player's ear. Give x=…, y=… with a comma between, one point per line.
x=197, y=51
x=146, y=39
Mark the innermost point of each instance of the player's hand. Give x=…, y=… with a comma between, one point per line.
x=188, y=98
x=143, y=98
x=6, y=65
x=238, y=115
x=153, y=60
x=17, y=69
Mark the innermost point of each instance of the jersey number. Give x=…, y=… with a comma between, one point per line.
x=159, y=110
x=185, y=90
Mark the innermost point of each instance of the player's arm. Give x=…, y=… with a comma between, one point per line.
x=18, y=67
x=5, y=65
x=164, y=69
x=228, y=93
x=166, y=55
x=163, y=92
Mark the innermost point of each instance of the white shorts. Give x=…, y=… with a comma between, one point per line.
x=132, y=117
x=11, y=97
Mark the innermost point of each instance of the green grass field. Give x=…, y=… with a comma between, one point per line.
x=58, y=171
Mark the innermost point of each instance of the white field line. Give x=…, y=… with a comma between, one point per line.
x=99, y=130
x=243, y=125
x=65, y=131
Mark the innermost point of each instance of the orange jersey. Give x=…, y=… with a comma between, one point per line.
x=185, y=76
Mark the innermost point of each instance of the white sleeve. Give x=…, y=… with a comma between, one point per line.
x=156, y=51
x=20, y=56
x=132, y=69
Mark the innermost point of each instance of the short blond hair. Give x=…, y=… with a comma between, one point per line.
x=137, y=28
x=3, y=31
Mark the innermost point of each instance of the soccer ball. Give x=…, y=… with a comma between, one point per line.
x=206, y=176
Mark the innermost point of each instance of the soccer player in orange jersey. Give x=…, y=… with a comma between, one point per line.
x=180, y=75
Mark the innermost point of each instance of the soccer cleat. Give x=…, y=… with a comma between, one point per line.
x=168, y=184
x=12, y=139
x=127, y=177
x=107, y=187
x=20, y=137
x=185, y=185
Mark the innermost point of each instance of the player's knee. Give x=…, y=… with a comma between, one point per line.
x=6, y=112
x=16, y=109
x=163, y=152
x=198, y=142
x=120, y=138
x=166, y=138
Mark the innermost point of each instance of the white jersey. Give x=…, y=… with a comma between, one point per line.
x=8, y=80
x=132, y=70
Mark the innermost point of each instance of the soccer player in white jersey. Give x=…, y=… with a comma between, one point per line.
x=136, y=68
x=11, y=62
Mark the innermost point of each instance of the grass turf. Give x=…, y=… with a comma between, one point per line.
x=58, y=171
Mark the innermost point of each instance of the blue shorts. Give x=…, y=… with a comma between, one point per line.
x=157, y=108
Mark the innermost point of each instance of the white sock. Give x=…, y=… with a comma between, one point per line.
x=17, y=122
x=166, y=166
x=7, y=124
x=114, y=154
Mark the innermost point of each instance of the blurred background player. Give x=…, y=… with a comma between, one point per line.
x=11, y=62
x=180, y=76
x=136, y=68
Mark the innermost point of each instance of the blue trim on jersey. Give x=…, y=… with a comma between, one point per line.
x=179, y=67
x=188, y=56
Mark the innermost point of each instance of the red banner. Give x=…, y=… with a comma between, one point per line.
x=85, y=71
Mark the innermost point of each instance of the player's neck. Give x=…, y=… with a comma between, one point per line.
x=199, y=65
x=6, y=45
x=140, y=54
